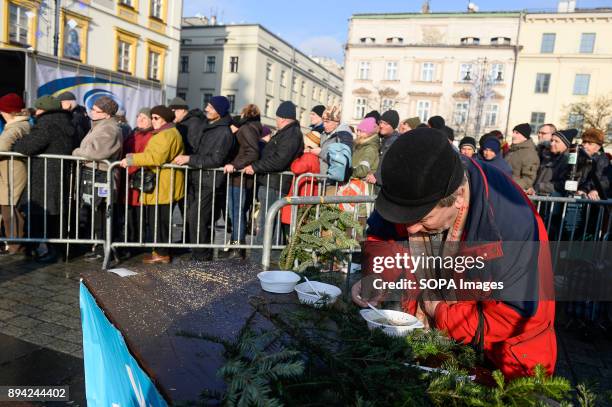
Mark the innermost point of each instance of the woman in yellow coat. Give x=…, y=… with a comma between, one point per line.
x=162, y=148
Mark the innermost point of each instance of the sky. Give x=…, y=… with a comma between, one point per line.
x=319, y=27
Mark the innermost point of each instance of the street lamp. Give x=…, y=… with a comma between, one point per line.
x=482, y=88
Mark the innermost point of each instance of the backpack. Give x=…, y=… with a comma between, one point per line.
x=339, y=162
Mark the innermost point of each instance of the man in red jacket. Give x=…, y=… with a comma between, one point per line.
x=436, y=205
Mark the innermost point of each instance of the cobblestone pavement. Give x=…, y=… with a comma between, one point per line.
x=41, y=342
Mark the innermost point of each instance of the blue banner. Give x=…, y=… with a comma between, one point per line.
x=112, y=376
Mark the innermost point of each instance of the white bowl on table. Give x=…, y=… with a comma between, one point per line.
x=278, y=281
x=409, y=322
x=306, y=295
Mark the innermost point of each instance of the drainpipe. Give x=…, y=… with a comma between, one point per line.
x=58, y=4
x=516, y=51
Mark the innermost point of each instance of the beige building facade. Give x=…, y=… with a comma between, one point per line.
x=137, y=38
x=565, y=58
x=249, y=64
x=457, y=65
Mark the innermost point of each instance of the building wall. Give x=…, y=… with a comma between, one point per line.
x=255, y=48
x=99, y=24
x=562, y=64
x=412, y=40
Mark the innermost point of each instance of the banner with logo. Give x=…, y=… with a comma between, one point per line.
x=53, y=79
x=113, y=378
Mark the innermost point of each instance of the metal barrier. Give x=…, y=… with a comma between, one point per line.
x=54, y=217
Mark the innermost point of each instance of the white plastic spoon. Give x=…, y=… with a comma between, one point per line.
x=312, y=287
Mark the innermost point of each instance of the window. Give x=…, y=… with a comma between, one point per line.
x=303, y=88
x=184, y=63
x=497, y=72
x=464, y=69
x=154, y=59
x=470, y=41
x=542, y=83
x=387, y=104
x=232, y=103
x=461, y=112
x=129, y=3
x=211, y=64
x=182, y=95
x=537, y=120
x=423, y=107
x=491, y=115
x=360, y=107
x=587, y=43
x=548, y=43
x=575, y=121
x=581, y=84
x=302, y=116
x=18, y=24
x=269, y=71
x=156, y=9
x=395, y=40
x=124, y=56
x=314, y=93
x=206, y=99
x=283, y=79
x=234, y=64
x=364, y=70
x=427, y=72
x=73, y=36
x=268, y=108
x=500, y=41
x=367, y=40
x=391, y=71
x=294, y=84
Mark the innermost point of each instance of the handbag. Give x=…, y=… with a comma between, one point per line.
x=143, y=180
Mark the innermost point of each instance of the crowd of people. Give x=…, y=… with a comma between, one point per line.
x=252, y=158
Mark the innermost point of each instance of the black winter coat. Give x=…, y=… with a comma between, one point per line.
x=190, y=128
x=277, y=156
x=212, y=149
x=552, y=174
x=594, y=174
x=53, y=133
x=248, y=136
x=81, y=123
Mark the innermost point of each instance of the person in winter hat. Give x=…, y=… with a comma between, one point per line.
x=595, y=184
x=388, y=123
x=334, y=131
x=429, y=189
x=467, y=146
x=316, y=118
x=367, y=145
x=374, y=114
x=188, y=122
x=436, y=122
x=80, y=119
x=409, y=124
x=523, y=156
x=553, y=172
x=306, y=163
x=491, y=153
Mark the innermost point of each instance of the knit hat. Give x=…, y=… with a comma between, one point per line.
x=374, y=114
x=318, y=110
x=66, y=96
x=391, y=117
x=312, y=139
x=367, y=125
x=593, y=135
x=220, y=104
x=566, y=136
x=164, y=112
x=47, y=103
x=413, y=122
x=436, y=122
x=179, y=103
x=146, y=111
x=333, y=113
x=524, y=129
x=107, y=105
x=417, y=172
x=286, y=110
x=492, y=143
x=468, y=141
x=11, y=103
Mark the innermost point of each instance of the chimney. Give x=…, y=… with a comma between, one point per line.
x=425, y=7
x=566, y=6
x=213, y=20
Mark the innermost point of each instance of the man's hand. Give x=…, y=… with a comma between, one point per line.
x=594, y=195
x=248, y=170
x=124, y=163
x=430, y=308
x=530, y=191
x=370, y=178
x=181, y=160
x=363, y=302
x=228, y=169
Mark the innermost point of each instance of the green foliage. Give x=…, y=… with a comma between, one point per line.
x=320, y=236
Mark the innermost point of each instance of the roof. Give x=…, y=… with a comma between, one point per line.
x=398, y=16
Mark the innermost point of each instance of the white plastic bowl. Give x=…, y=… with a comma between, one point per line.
x=278, y=281
x=411, y=321
x=305, y=295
